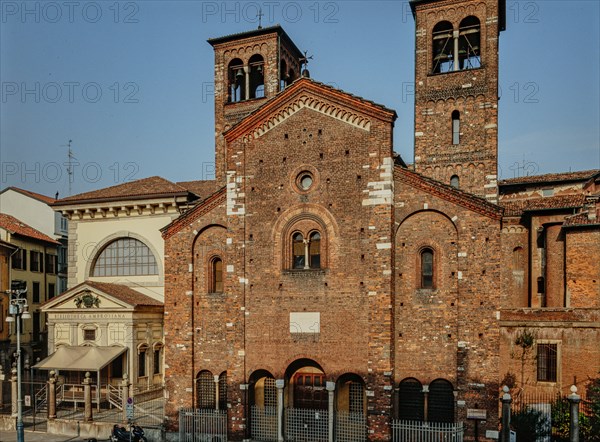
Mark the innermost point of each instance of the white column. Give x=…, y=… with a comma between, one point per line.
x=306, y=256
x=331, y=393
x=216, y=378
x=455, y=35
x=247, y=73
x=280, y=383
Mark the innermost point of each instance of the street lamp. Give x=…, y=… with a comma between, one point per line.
x=17, y=310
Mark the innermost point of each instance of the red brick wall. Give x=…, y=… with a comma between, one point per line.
x=583, y=268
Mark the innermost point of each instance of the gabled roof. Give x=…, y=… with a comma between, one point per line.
x=29, y=193
x=305, y=85
x=152, y=187
x=18, y=227
x=117, y=291
x=448, y=192
x=194, y=213
x=518, y=207
x=581, y=175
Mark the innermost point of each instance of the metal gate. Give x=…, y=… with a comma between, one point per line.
x=350, y=427
x=198, y=425
x=263, y=423
x=302, y=425
x=408, y=431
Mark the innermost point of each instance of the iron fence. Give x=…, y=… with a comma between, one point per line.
x=263, y=423
x=198, y=425
x=304, y=425
x=350, y=427
x=415, y=431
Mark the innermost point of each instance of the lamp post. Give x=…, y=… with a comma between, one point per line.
x=17, y=310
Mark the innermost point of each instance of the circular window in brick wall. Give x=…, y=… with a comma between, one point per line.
x=304, y=179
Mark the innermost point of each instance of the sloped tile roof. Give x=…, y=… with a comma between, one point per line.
x=146, y=187
x=448, y=192
x=551, y=177
x=37, y=196
x=518, y=207
x=201, y=188
x=582, y=219
x=18, y=227
x=118, y=291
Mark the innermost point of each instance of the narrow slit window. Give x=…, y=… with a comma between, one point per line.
x=456, y=127
x=427, y=269
x=216, y=276
x=455, y=181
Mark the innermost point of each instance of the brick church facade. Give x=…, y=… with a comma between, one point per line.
x=325, y=273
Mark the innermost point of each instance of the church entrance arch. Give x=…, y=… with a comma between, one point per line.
x=306, y=385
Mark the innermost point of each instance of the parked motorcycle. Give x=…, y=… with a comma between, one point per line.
x=120, y=434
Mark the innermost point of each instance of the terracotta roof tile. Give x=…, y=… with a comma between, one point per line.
x=202, y=188
x=37, y=196
x=551, y=177
x=145, y=187
x=18, y=227
x=582, y=219
x=119, y=291
x=518, y=207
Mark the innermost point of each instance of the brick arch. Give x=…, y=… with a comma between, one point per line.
x=323, y=365
x=307, y=212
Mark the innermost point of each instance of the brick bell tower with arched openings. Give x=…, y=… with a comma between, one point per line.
x=250, y=68
x=456, y=92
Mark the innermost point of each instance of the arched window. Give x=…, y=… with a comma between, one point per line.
x=125, y=257
x=223, y=391
x=442, y=48
x=236, y=81
x=455, y=181
x=205, y=390
x=440, y=401
x=216, y=275
x=157, y=357
x=257, y=76
x=518, y=261
x=412, y=400
x=469, y=54
x=455, y=127
x=306, y=254
x=291, y=76
x=427, y=269
x=298, y=257
x=314, y=250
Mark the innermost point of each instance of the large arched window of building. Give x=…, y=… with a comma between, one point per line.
x=223, y=391
x=469, y=54
x=442, y=48
x=411, y=400
x=427, y=269
x=256, y=66
x=125, y=257
x=205, y=390
x=440, y=401
x=142, y=361
x=236, y=81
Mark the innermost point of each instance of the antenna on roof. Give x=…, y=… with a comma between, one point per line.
x=260, y=15
x=70, y=158
x=304, y=62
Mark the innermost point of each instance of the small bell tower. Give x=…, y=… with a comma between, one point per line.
x=250, y=68
x=456, y=92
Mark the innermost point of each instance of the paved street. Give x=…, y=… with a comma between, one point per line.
x=36, y=436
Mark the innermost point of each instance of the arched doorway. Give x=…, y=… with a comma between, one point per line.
x=350, y=408
x=262, y=395
x=306, y=385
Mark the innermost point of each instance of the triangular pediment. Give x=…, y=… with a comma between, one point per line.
x=85, y=298
x=315, y=96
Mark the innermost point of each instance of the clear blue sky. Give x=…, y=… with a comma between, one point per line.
x=129, y=82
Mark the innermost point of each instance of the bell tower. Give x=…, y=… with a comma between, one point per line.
x=456, y=92
x=250, y=68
